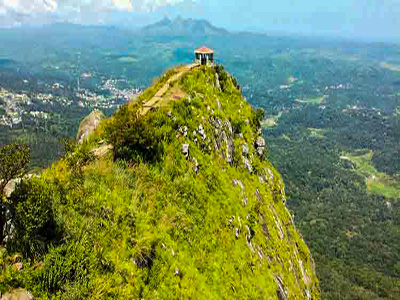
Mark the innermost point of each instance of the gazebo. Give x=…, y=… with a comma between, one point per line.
x=204, y=56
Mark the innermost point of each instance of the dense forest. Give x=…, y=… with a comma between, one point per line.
x=351, y=226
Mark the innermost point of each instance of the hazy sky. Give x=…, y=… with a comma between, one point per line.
x=360, y=18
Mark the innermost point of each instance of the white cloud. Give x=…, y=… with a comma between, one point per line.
x=32, y=6
x=124, y=5
x=152, y=5
x=33, y=11
x=11, y=3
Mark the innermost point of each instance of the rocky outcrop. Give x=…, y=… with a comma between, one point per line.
x=102, y=150
x=210, y=192
x=10, y=187
x=88, y=125
x=223, y=136
x=260, y=146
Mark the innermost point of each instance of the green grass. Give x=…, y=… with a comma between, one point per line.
x=315, y=100
x=271, y=121
x=377, y=182
x=316, y=133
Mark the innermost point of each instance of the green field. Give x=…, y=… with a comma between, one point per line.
x=377, y=182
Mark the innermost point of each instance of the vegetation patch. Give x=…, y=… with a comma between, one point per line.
x=377, y=182
x=318, y=133
x=315, y=100
x=390, y=66
x=271, y=121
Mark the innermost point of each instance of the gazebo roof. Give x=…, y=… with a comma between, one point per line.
x=204, y=50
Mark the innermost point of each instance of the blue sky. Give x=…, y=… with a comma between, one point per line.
x=349, y=18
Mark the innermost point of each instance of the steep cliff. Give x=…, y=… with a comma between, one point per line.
x=181, y=205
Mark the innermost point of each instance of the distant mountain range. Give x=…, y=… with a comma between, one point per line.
x=182, y=27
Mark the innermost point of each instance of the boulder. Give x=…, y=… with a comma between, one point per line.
x=88, y=125
x=201, y=132
x=18, y=294
x=260, y=146
x=18, y=266
x=10, y=187
x=102, y=150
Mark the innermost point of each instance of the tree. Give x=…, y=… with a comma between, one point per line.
x=14, y=160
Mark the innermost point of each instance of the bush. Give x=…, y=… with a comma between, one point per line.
x=138, y=138
x=257, y=117
x=32, y=215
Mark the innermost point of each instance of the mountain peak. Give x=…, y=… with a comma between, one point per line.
x=182, y=27
x=216, y=204
x=165, y=21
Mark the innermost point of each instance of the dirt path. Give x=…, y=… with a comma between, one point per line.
x=157, y=100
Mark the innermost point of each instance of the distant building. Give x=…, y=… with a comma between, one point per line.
x=204, y=56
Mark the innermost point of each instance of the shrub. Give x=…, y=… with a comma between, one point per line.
x=31, y=208
x=65, y=265
x=14, y=160
x=138, y=138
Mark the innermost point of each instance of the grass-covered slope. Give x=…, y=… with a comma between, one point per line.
x=184, y=207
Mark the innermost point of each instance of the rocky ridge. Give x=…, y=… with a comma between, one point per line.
x=180, y=203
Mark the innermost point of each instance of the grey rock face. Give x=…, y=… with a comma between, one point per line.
x=223, y=135
x=247, y=164
x=229, y=150
x=89, y=125
x=10, y=187
x=258, y=196
x=217, y=84
x=267, y=177
x=218, y=104
x=238, y=183
x=228, y=125
x=280, y=292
